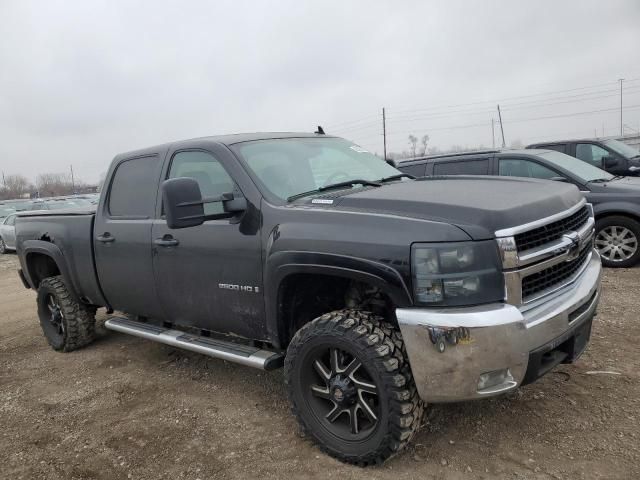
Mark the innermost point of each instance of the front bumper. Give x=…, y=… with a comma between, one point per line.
x=467, y=353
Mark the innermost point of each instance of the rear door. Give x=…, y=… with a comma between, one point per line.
x=122, y=235
x=210, y=276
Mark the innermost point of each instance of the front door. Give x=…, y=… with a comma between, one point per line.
x=122, y=236
x=210, y=276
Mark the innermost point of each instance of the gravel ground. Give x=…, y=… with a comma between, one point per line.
x=127, y=408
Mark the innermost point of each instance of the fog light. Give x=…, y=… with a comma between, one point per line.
x=494, y=378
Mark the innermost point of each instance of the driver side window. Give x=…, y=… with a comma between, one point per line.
x=518, y=167
x=590, y=153
x=211, y=176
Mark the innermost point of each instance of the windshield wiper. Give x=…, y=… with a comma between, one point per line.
x=601, y=180
x=396, y=177
x=332, y=186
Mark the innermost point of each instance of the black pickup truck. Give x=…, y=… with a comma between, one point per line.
x=376, y=292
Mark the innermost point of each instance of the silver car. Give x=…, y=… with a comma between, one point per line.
x=8, y=234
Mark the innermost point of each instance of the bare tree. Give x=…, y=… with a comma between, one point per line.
x=54, y=184
x=424, y=141
x=16, y=186
x=517, y=144
x=413, y=143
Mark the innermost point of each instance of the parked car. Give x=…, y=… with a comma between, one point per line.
x=8, y=234
x=615, y=199
x=611, y=155
x=8, y=207
x=308, y=252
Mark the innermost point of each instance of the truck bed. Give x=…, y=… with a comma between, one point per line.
x=68, y=235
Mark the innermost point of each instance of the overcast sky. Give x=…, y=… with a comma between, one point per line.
x=83, y=80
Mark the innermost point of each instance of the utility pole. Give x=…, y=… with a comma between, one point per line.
x=73, y=183
x=384, y=134
x=621, y=125
x=4, y=182
x=501, y=127
x=493, y=134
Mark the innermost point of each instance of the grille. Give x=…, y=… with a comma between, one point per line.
x=553, y=231
x=552, y=276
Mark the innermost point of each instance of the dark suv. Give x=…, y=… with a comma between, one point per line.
x=615, y=199
x=611, y=155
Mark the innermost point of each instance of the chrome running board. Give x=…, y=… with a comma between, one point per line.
x=213, y=347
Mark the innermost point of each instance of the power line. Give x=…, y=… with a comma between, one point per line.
x=515, y=106
x=507, y=122
x=502, y=100
x=365, y=121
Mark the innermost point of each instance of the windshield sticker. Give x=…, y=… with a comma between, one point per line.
x=324, y=201
x=358, y=149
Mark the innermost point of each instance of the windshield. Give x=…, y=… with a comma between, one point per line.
x=6, y=210
x=70, y=203
x=621, y=148
x=289, y=166
x=581, y=170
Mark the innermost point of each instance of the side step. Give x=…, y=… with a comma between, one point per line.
x=233, y=352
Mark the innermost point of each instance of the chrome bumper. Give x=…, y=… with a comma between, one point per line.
x=453, y=351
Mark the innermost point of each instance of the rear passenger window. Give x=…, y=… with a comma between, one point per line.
x=417, y=170
x=134, y=188
x=211, y=176
x=524, y=168
x=466, y=167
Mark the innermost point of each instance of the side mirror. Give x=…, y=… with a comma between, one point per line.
x=182, y=202
x=559, y=179
x=391, y=162
x=611, y=161
x=184, y=205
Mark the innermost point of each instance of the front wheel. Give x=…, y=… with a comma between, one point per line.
x=351, y=387
x=618, y=241
x=3, y=246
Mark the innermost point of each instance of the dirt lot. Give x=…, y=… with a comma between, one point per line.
x=127, y=408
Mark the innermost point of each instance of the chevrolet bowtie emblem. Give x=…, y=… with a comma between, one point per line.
x=573, y=250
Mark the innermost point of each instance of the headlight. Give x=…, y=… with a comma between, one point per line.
x=456, y=274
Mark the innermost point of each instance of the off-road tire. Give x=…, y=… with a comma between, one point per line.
x=379, y=346
x=621, y=222
x=3, y=246
x=78, y=329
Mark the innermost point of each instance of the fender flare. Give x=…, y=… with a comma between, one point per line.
x=282, y=265
x=617, y=208
x=52, y=251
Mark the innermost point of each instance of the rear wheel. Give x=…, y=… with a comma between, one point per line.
x=66, y=324
x=618, y=241
x=351, y=387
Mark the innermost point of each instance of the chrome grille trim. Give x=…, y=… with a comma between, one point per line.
x=517, y=266
x=509, y=232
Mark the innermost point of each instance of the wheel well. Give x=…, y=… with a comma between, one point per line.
x=303, y=297
x=40, y=267
x=630, y=216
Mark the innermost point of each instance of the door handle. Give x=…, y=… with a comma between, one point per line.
x=166, y=241
x=106, y=238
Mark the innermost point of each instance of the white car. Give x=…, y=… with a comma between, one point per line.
x=8, y=234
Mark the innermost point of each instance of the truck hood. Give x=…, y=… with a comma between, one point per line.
x=622, y=186
x=479, y=205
